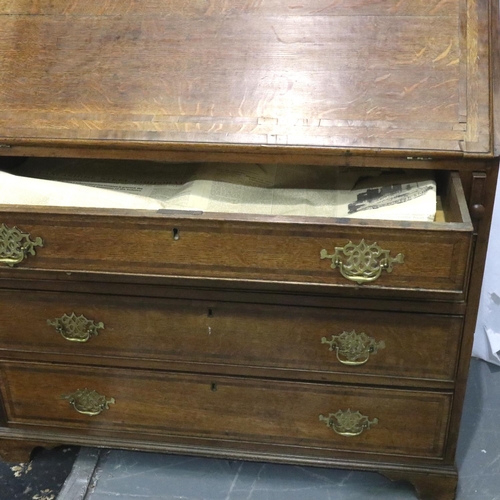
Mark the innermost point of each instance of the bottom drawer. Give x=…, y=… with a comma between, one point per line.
x=323, y=416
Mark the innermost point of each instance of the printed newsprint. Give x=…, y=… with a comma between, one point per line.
x=229, y=188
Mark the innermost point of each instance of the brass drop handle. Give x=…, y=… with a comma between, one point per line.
x=361, y=263
x=353, y=349
x=88, y=402
x=12, y=261
x=15, y=246
x=348, y=423
x=76, y=328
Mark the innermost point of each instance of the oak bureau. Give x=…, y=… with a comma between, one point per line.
x=324, y=341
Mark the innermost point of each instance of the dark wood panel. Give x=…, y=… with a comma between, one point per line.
x=288, y=340
x=473, y=298
x=408, y=423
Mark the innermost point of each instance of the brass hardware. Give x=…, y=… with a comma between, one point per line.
x=88, y=402
x=362, y=263
x=354, y=348
x=16, y=245
x=348, y=423
x=76, y=328
x=419, y=158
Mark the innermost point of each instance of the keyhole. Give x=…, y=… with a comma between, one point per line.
x=175, y=233
x=210, y=312
x=213, y=387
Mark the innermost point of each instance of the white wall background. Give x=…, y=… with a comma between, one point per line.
x=487, y=335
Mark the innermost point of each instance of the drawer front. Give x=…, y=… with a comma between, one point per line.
x=361, y=257
x=321, y=342
x=393, y=422
x=419, y=260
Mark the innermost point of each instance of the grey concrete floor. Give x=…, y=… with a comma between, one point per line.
x=111, y=474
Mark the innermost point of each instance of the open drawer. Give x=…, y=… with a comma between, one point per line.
x=365, y=257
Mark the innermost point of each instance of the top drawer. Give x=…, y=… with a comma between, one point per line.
x=361, y=257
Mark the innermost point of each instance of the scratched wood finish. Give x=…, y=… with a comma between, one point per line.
x=380, y=74
x=409, y=423
x=286, y=339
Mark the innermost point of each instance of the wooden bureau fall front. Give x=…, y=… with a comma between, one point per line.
x=326, y=341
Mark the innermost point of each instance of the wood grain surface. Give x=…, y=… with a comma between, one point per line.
x=386, y=74
x=410, y=423
x=190, y=334
x=436, y=254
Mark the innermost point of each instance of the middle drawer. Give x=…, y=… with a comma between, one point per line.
x=293, y=342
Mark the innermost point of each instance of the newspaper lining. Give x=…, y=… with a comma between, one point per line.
x=226, y=188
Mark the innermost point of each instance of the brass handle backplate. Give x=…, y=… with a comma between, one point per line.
x=353, y=348
x=15, y=246
x=362, y=263
x=88, y=402
x=348, y=423
x=76, y=328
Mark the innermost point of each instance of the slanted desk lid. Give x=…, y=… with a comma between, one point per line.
x=377, y=75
